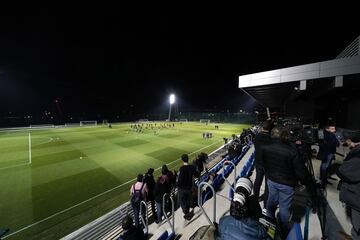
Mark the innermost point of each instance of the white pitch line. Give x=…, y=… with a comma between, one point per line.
x=29, y=148
x=87, y=200
x=13, y=166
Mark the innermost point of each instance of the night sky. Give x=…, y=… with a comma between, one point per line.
x=109, y=61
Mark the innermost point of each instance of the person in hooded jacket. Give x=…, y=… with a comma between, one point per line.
x=349, y=173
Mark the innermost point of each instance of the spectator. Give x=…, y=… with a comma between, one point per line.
x=263, y=138
x=327, y=150
x=243, y=222
x=200, y=162
x=283, y=169
x=231, y=151
x=150, y=183
x=349, y=173
x=138, y=192
x=163, y=186
x=185, y=184
x=130, y=231
x=172, y=176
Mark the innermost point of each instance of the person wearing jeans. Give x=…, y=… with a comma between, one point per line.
x=282, y=195
x=327, y=150
x=284, y=169
x=325, y=166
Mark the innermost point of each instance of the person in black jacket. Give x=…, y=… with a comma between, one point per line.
x=162, y=187
x=150, y=183
x=184, y=184
x=130, y=231
x=262, y=139
x=349, y=173
x=283, y=169
x=327, y=150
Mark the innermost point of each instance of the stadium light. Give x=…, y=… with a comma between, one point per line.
x=172, y=101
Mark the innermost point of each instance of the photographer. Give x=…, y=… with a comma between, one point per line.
x=283, y=169
x=349, y=173
x=327, y=150
x=243, y=222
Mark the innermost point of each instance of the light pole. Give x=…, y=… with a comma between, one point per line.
x=172, y=101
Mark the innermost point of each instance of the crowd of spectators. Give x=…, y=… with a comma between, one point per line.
x=277, y=161
x=150, y=191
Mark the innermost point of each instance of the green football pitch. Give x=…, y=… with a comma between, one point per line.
x=70, y=176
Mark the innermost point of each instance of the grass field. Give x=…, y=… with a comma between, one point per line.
x=78, y=174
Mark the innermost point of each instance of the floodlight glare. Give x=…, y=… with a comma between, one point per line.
x=172, y=99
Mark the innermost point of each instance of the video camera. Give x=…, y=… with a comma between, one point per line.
x=300, y=131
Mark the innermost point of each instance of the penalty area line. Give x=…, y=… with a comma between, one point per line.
x=94, y=197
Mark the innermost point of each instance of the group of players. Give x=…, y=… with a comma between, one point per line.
x=156, y=127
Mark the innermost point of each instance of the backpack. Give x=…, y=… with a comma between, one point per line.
x=137, y=196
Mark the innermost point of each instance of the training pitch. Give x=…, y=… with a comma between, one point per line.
x=53, y=181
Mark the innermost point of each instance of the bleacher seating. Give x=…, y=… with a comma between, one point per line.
x=109, y=227
x=167, y=236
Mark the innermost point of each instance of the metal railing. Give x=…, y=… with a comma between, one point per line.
x=200, y=202
x=223, y=175
x=146, y=220
x=172, y=225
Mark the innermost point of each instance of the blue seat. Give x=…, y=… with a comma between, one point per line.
x=247, y=165
x=171, y=236
x=227, y=172
x=217, y=182
x=208, y=195
x=164, y=236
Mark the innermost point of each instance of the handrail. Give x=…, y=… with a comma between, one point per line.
x=146, y=223
x=223, y=167
x=200, y=202
x=172, y=225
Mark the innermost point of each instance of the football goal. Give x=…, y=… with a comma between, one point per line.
x=144, y=120
x=88, y=123
x=183, y=120
x=207, y=121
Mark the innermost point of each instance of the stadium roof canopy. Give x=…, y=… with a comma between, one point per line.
x=274, y=88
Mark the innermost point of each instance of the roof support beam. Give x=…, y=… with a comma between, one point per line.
x=332, y=68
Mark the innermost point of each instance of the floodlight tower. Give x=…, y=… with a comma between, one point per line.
x=172, y=101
